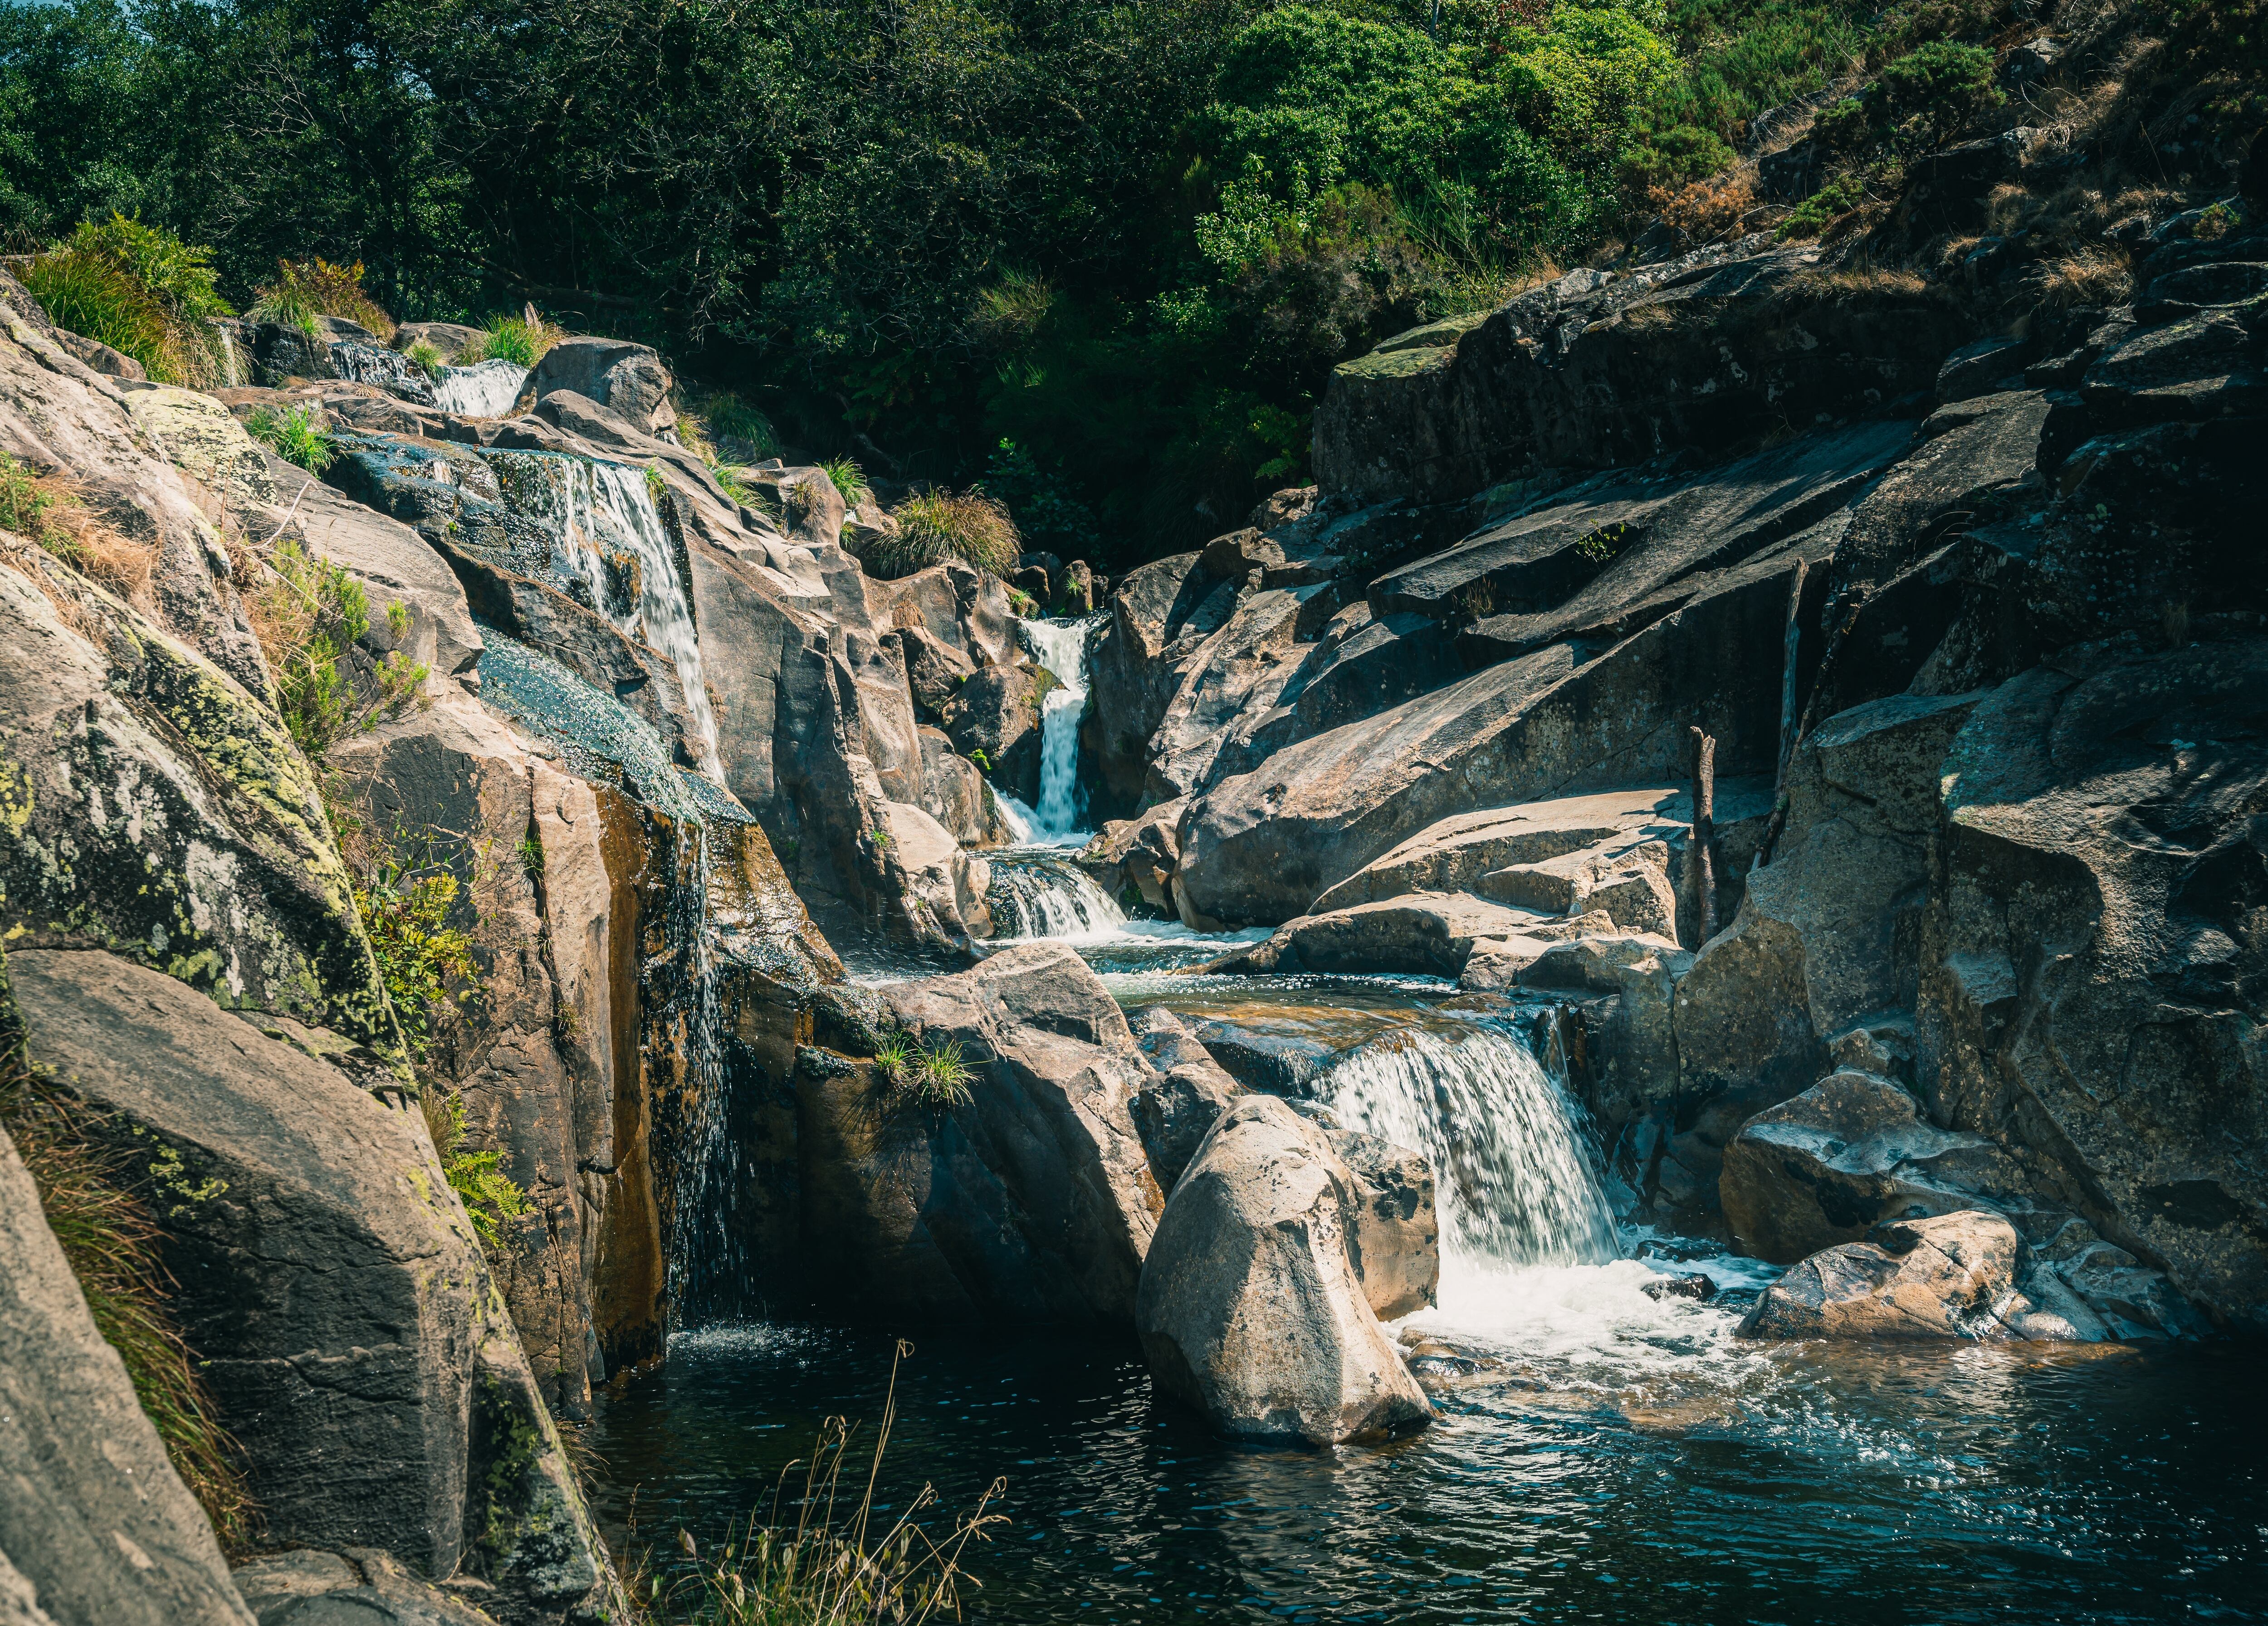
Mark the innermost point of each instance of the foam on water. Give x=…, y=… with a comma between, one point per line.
x=486, y=389
x=1061, y=648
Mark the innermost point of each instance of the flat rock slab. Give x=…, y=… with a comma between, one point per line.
x=1425, y=933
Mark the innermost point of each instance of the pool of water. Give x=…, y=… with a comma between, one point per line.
x=1616, y=1459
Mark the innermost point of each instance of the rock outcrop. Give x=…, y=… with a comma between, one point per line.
x=1251, y=1309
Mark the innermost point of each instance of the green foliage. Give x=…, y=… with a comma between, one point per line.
x=305, y=290
x=490, y=1197
x=296, y=434
x=522, y=341
x=848, y=480
x=168, y=302
x=47, y=510
x=937, y=525
x=1920, y=101
x=935, y=1075
x=1823, y=207
x=425, y=964
x=426, y=358
x=94, y=296
x=96, y=1185
x=309, y=617
x=738, y=429
x=28, y=506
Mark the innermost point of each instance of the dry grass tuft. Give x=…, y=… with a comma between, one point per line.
x=2094, y=275
x=1708, y=208
x=48, y=509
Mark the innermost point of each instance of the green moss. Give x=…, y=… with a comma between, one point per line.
x=1404, y=363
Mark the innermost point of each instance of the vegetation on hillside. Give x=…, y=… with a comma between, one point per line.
x=1098, y=256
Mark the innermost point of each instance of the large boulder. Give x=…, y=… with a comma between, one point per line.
x=1033, y=1200
x=95, y=1525
x=331, y=1285
x=629, y=380
x=1251, y=1310
x=1848, y=1153
x=1394, y=1236
x=1236, y=674
x=997, y=713
x=2091, y=959
x=1177, y=1110
x=1161, y=615
x=1429, y=933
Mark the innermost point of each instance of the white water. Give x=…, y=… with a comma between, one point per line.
x=1514, y=1183
x=1044, y=897
x=486, y=389
x=596, y=509
x=1061, y=647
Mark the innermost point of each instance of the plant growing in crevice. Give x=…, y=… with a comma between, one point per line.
x=426, y=358
x=97, y=1204
x=848, y=480
x=425, y=962
x=490, y=1197
x=296, y=434
x=937, y=525
x=522, y=340
x=306, y=291
x=46, y=509
x=308, y=619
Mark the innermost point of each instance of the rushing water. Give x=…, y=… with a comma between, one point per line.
x=1041, y=893
x=486, y=389
x=1061, y=648
x=599, y=515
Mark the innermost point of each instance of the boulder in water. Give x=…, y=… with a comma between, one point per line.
x=1394, y=1235
x=1428, y=934
x=1250, y=1307
x=996, y=712
x=1177, y=1110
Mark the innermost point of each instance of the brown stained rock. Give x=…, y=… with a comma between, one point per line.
x=1250, y=1308
x=98, y=1526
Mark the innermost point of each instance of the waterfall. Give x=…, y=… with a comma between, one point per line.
x=484, y=390
x=1514, y=1183
x=704, y=1254
x=1061, y=647
x=1036, y=897
x=363, y=363
x=602, y=519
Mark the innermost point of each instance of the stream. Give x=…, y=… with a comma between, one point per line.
x=1599, y=1454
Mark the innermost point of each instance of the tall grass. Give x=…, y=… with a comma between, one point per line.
x=305, y=290
x=95, y=297
x=934, y=526
x=522, y=340
x=141, y=290
x=98, y=1205
x=820, y=1570
x=308, y=619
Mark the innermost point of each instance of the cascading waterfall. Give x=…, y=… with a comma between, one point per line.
x=1061, y=647
x=1036, y=896
x=486, y=389
x=364, y=363
x=1513, y=1183
x=704, y=1256
x=597, y=510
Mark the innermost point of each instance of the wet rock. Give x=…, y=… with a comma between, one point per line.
x=1681, y=1284
x=1250, y=1309
x=1176, y=1111
x=1282, y=1063
x=1138, y=853
x=1634, y=1055
x=629, y=380
x=330, y=1285
x=282, y=352
x=1430, y=933
x=1965, y=1275
x=1393, y=1237
x=1033, y=1201
x=996, y=712
x=98, y=1527
x=1848, y=1153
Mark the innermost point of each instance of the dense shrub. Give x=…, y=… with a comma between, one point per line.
x=94, y=296
x=1824, y=207
x=305, y=290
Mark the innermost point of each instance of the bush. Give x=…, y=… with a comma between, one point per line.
x=94, y=296
x=178, y=277
x=522, y=341
x=934, y=1076
x=96, y=1202
x=295, y=434
x=937, y=525
x=308, y=619
x=1838, y=198
x=305, y=290
x=1047, y=513
x=1918, y=102
x=405, y=909
x=46, y=509
x=739, y=429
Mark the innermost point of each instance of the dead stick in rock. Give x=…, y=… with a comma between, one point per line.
x=1705, y=830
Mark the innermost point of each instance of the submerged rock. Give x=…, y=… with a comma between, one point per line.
x=1250, y=1307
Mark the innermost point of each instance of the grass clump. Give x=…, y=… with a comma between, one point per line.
x=141, y=290
x=296, y=434
x=935, y=525
x=1823, y=207
x=97, y=1203
x=804, y=1567
x=933, y=1074
x=308, y=619
x=522, y=340
x=490, y=1197
x=848, y=480
x=426, y=358
x=306, y=291
x=46, y=509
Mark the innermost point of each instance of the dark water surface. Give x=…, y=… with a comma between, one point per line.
x=1630, y=1463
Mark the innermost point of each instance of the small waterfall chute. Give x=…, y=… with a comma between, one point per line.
x=1061, y=648
x=1036, y=895
x=1514, y=1181
x=363, y=363
x=486, y=389
x=600, y=514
